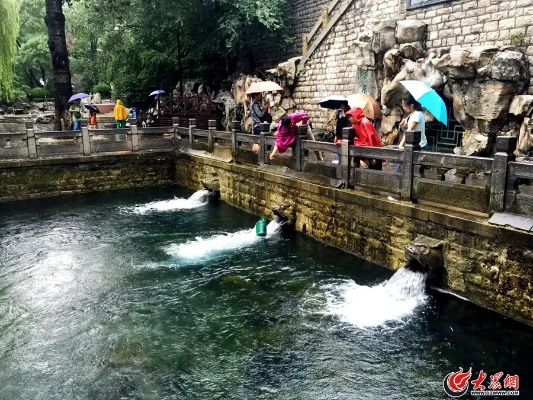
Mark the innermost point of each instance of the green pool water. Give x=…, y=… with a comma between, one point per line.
x=141, y=295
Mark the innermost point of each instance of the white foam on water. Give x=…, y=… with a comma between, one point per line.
x=197, y=199
x=203, y=247
x=365, y=306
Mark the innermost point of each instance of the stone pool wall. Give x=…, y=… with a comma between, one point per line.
x=492, y=266
x=29, y=179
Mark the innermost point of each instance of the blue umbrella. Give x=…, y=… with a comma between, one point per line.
x=78, y=96
x=428, y=98
x=157, y=92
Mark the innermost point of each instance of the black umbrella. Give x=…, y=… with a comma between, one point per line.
x=334, y=101
x=92, y=107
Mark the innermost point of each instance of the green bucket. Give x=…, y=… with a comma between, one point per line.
x=261, y=227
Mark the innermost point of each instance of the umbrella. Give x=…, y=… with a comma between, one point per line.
x=334, y=101
x=428, y=98
x=266, y=86
x=92, y=107
x=371, y=108
x=159, y=91
x=78, y=96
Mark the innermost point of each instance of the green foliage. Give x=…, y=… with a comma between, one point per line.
x=103, y=88
x=9, y=28
x=39, y=93
x=133, y=44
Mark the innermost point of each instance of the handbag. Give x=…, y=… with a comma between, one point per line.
x=267, y=118
x=77, y=115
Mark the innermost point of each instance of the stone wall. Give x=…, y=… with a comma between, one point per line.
x=21, y=180
x=304, y=14
x=484, y=263
x=344, y=63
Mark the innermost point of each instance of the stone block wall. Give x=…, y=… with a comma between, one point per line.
x=22, y=180
x=337, y=64
x=484, y=263
x=472, y=23
x=304, y=14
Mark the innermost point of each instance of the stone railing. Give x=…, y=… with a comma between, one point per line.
x=36, y=144
x=484, y=185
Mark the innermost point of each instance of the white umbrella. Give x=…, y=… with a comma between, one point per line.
x=266, y=86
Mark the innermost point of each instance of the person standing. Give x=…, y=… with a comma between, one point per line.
x=258, y=113
x=414, y=121
x=342, y=122
x=76, y=111
x=120, y=114
x=365, y=135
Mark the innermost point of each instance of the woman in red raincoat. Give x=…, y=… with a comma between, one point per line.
x=287, y=132
x=365, y=134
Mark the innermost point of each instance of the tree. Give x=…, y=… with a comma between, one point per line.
x=9, y=28
x=55, y=22
x=33, y=66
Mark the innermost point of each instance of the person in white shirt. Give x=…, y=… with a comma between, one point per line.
x=414, y=121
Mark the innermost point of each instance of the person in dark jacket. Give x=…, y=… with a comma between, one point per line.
x=257, y=112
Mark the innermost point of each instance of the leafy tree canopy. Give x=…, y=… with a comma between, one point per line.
x=9, y=28
x=138, y=45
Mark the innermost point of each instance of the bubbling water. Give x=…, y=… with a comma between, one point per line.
x=366, y=307
x=202, y=247
x=197, y=199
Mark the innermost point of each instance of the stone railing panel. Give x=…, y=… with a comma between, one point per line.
x=159, y=138
x=519, y=196
x=59, y=143
x=13, y=146
x=109, y=140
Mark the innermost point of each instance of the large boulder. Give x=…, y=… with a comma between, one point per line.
x=521, y=105
x=488, y=100
x=457, y=64
x=384, y=37
x=408, y=31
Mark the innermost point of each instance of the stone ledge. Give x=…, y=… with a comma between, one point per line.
x=39, y=162
x=448, y=216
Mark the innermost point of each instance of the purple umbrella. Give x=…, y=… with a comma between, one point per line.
x=78, y=96
x=159, y=91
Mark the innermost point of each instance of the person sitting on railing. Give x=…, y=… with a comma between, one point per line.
x=258, y=113
x=365, y=134
x=287, y=131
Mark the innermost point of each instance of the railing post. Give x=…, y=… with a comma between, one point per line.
x=301, y=134
x=348, y=136
x=504, y=153
x=412, y=144
x=262, y=148
x=134, y=136
x=192, y=125
x=211, y=128
x=175, y=136
x=30, y=135
x=85, y=138
x=235, y=128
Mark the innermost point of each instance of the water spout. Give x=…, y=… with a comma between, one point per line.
x=372, y=306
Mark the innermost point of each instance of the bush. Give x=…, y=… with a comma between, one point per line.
x=103, y=88
x=39, y=93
